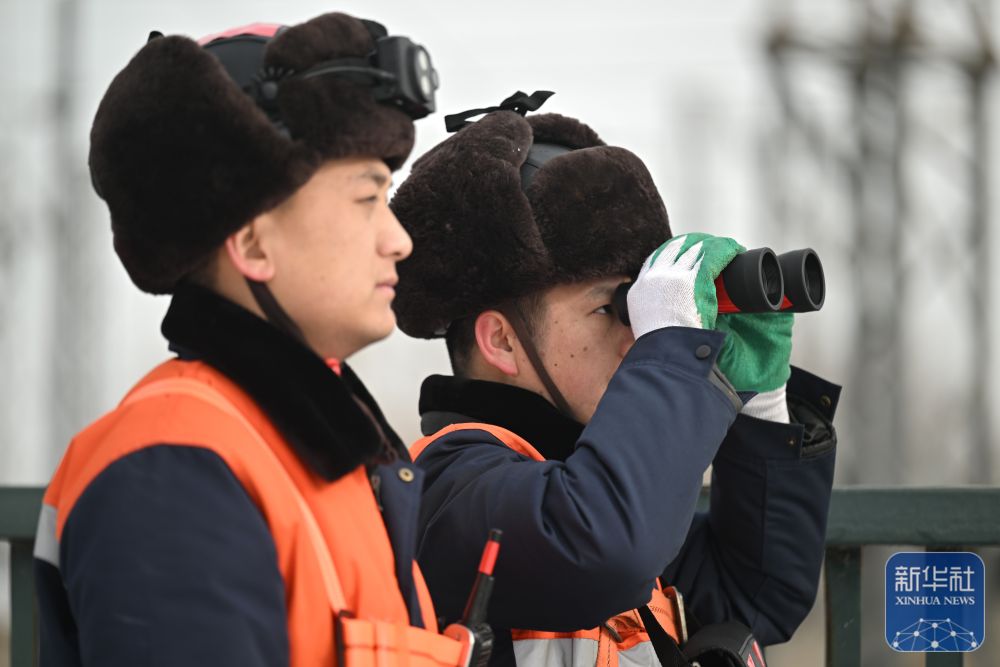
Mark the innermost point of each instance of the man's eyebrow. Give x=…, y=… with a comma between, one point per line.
x=603, y=291
x=377, y=177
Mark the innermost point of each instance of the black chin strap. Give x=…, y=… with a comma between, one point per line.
x=513, y=315
x=277, y=316
x=273, y=311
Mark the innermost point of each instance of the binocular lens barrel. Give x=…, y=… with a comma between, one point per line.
x=751, y=283
x=805, y=284
x=759, y=281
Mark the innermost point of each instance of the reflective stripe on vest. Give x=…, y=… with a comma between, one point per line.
x=191, y=404
x=622, y=640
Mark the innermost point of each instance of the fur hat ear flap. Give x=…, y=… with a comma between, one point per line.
x=176, y=151
x=599, y=211
x=471, y=224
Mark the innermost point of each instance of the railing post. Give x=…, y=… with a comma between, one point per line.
x=843, y=606
x=944, y=659
x=23, y=639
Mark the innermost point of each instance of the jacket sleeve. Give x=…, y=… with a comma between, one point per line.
x=586, y=538
x=167, y=561
x=756, y=554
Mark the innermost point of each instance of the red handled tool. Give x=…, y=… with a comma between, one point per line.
x=473, y=629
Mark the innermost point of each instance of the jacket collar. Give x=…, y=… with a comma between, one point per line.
x=331, y=421
x=446, y=400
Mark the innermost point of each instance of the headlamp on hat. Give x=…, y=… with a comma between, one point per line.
x=398, y=70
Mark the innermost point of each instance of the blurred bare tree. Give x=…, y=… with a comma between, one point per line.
x=75, y=366
x=891, y=170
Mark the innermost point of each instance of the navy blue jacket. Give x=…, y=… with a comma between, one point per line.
x=587, y=532
x=165, y=560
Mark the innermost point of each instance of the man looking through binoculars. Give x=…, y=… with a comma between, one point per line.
x=585, y=440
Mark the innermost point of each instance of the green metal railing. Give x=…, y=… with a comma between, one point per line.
x=937, y=519
x=943, y=519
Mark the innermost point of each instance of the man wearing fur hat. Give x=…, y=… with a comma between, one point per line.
x=247, y=503
x=586, y=441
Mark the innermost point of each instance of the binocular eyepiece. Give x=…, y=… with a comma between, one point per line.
x=759, y=281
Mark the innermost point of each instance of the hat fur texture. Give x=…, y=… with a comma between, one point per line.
x=480, y=240
x=184, y=157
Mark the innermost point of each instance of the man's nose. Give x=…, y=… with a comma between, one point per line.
x=396, y=241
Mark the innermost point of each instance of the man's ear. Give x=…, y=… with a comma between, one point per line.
x=495, y=339
x=248, y=251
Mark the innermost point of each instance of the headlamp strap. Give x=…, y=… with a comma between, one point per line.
x=269, y=79
x=519, y=102
x=347, y=66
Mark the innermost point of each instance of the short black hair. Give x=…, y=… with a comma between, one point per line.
x=461, y=334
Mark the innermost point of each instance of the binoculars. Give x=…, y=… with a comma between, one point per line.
x=759, y=281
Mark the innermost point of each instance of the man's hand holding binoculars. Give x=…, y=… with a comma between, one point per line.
x=677, y=286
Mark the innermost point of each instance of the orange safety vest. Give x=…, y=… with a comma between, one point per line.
x=333, y=551
x=621, y=638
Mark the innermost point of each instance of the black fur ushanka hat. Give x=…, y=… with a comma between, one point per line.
x=184, y=157
x=483, y=234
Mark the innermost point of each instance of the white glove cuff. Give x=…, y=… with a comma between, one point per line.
x=769, y=405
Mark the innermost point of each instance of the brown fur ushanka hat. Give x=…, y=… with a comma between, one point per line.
x=481, y=238
x=184, y=157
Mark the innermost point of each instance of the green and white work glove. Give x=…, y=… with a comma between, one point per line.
x=676, y=287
